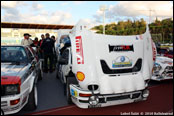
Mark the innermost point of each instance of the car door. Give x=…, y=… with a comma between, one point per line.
x=33, y=61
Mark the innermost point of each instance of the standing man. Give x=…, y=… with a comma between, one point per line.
x=54, y=52
x=53, y=37
x=47, y=47
x=27, y=41
x=36, y=42
x=39, y=46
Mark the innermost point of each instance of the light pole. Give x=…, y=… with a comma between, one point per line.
x=103, y=8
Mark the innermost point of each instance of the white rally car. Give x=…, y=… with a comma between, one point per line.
x=103, y=70
x=20, y=70
x=163, y=68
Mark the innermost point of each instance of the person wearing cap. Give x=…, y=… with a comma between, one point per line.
x=48, y=51
x=27, y=41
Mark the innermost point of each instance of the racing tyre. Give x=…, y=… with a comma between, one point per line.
x=57, y=73
x=32, y=100
x=40, y=75
x=2, y=112
x=70, y=80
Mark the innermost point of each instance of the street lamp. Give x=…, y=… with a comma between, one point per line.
x=103, y=8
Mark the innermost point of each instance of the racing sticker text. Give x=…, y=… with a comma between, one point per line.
x=119, y=48
x=79, y=50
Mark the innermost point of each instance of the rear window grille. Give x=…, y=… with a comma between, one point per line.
x=107, y=70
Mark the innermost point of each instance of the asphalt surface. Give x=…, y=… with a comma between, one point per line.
x=160, y=102
x=51, y=93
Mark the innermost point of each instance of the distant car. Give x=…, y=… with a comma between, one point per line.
x=162, y=51
x=20, y=71
x=169, y=54
x=163, y=69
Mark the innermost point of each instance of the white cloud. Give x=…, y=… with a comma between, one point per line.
x=135, y=9
x=11, y=4
x=36, y=6
x=42, y=16
x=78, y=2
x=65, y=3
x=89, y=23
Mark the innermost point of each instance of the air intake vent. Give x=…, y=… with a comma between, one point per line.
x=90, y=87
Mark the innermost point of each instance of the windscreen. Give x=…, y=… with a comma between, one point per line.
x=171, y=52
x=13, y=54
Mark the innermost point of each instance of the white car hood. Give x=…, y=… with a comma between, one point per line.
x=88, y=49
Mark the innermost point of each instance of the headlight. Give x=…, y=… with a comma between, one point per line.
x=145, y=93
x=93, y=100
x=167, y=68
x=12, y=89
x=157, y=67
x=163, y=74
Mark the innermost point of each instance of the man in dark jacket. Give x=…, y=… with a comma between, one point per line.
x=39, y=46
x=48, y=47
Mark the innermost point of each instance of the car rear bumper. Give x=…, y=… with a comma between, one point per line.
x=105, y=100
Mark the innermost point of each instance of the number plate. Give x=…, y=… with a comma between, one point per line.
x=96, y=106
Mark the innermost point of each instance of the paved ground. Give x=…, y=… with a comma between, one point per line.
x=51, y=94
x=159, y=101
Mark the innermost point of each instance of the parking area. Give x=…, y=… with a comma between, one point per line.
x=51, y=93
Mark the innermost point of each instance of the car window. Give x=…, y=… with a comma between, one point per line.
x=13, y=54
x=64, y=39
x=163, y=51
x=29, y=53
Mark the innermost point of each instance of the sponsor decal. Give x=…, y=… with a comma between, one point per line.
x=79, y=50
x=167, y=62
x=154, y=52
x=141, y=37
x=120, y=48
x=121, y=61
x=73, y=93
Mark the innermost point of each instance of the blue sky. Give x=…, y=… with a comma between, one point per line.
x=69, y=12
x=84, y=9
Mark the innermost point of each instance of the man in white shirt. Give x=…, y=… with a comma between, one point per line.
x=27, y=41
